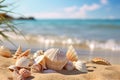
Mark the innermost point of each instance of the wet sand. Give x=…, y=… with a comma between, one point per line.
x=95, y=72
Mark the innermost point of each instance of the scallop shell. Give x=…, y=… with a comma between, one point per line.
x=80, y=66
x=55, y=59
x=24, y=72
x=36, y=68
x=22, y=62
x=38, y=53
x=71, y=54
x=12, y=68
x=101, y=61
x=18, y=52
x=41, y=60
x=26, y=53
x=5, y=52
x=69, y=66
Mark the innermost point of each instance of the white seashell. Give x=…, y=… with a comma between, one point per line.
x=71, y=54
x=5, y=52
x=41, y=60
x=49, y=71
x=55, y=59
x=69, y=66
x=38, y=53
x=18, y=52
x=79, y=65
x=22, y=62
x=12, y=68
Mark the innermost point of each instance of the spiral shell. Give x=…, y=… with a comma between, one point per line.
x=5, y=52
x=24, y=72
x=101, y=61
x=18, y=52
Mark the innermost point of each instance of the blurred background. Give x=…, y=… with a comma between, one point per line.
x=91, y=26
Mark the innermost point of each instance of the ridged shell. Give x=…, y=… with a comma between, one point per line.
x=36, y=68
x=55, y=59
x=69, y=66
x=100, y=61
x=18, y=52
x=26, y=53
x=71, y=54
x=5, y=52
x=38, y=53
x=23, y=62
x=80, y=66
x=24, y=72
x=41, y=60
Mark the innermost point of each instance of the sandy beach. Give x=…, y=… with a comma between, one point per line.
x=95, y=72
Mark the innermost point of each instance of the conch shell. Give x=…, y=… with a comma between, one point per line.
x=26, y=53
x=5, y=52
x=69, y=66
x=55, y=59
x=38, y=53
x=80, y=66
x=22, y=62
x=24, y=72
x=100, y=61
x=71, y=54
x=18, y=52
x=41, y=60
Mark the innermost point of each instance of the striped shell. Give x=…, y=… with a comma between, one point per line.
x=71, y=54
x=36, y=68
x=55, y=59
x=18, y=52
x=5, y=52
x=26, y=53
x=24, y=72
x=101, y=61
x=41, y=60
x=23, y=62
x=80, y=66
x=69, y=66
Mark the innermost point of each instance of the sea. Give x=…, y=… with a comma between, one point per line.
x=90, y=38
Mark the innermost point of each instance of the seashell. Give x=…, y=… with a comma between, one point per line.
x=38, y=53
x=12, y=68
x=5, y=52
x=41, y=60
x=24, y=72
x=55, y=59
x=22, y=62
x=71, y=54
x=18, y=52
x=49, y=71
x=69, y=66
x=80, y=66
x=36, y=68
x=26, y=53
x=101, y=61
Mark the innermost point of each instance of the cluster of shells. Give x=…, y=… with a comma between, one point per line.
x=47, y=61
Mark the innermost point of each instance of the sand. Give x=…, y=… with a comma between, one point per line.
x=95, y=72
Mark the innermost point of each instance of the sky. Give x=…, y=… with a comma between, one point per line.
x=67, y=9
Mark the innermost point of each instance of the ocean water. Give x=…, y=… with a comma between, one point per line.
x=89, y=37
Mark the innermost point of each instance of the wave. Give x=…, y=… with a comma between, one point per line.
x=37, y=41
